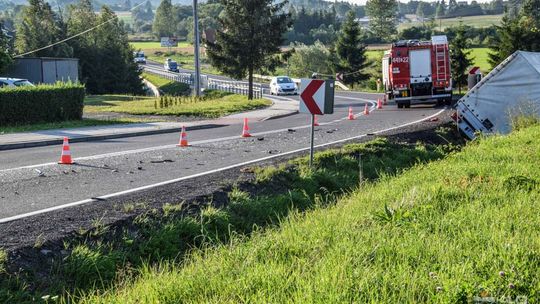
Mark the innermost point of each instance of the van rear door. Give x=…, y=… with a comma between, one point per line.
x=420, y=65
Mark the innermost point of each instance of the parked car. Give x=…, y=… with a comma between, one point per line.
x=14, y=82
x=139, y=57
x=171, y=65
x=283, y=85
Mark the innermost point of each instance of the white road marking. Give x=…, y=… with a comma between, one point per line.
x=59, y=207
x=172, y=146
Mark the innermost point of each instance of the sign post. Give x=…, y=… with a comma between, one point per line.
x=316, y=98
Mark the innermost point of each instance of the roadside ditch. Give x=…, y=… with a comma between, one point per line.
x=95, y=245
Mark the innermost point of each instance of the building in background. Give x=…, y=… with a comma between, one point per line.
x=45, y=70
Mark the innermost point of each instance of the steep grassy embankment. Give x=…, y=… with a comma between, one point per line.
x=448, y=231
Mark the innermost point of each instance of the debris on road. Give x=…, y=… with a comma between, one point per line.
x=162, y=161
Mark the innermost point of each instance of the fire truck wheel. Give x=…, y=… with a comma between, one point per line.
x=407, y=105
x=400, y=106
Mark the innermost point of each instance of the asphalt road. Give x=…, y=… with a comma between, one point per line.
x=30, y=181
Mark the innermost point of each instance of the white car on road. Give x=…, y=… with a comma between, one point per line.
x=283, y=85
x=14, y=82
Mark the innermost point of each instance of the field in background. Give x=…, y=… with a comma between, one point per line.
x=480, y=56
x=125, y=16
x=474, y=21
x=156, y=46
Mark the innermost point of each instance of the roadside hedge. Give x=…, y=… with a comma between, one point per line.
x=40, y=104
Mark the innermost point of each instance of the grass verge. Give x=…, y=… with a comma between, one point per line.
x=212, y=105
x=166, y=86
x=108, y=254
x=457, y=230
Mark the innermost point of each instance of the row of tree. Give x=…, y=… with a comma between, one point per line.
x=440, y=9
x=105, y=56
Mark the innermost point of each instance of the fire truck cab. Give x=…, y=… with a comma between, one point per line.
x=416, y=72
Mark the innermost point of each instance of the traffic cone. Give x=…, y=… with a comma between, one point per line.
x=315, y=122
x=245, y=131
x=385, y=100
x=351, y=114
x=65, y=158
x=366, y=110
x=379, y=104
x=183, y=138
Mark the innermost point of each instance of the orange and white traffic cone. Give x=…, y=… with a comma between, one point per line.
x=379, y=104
x=65, y=158
x=245, y=131
x=366, y=110
x=315, y=122
x=351, y=114
x=183, y=138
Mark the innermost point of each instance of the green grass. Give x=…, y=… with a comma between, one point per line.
x=97, y=100
x=480, y=56
x=166, y=86
x=474, y=21
x=441, y=232
x=216, y=105
x=62, y=125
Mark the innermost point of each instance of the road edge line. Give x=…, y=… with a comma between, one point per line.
x=172, y=181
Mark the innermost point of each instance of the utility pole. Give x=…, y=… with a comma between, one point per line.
x=197, y=80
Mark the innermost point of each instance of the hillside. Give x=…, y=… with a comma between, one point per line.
x=444, y=232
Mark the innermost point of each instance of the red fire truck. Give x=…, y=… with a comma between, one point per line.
x=418, y=72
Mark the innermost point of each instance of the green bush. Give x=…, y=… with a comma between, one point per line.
x=40, y=104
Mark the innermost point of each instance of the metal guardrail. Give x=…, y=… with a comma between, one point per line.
x=236, y=87
x=186, y=78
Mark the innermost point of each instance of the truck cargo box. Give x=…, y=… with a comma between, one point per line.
x=511, y=88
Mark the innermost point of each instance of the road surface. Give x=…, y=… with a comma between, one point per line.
x=31, y=181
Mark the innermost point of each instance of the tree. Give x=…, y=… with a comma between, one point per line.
x=249, y=37
x=105, y=56
x=423, y=32
x=460, y=56
x=382, y=14
x=5, y=49
x=421, y=9
x=40, y=27
x=309, y=59
x=164, y=20
x=350, y=51
x=441, y=10
x=520, y=32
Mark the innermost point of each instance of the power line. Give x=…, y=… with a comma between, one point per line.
x=76, y=35
x=329, y=75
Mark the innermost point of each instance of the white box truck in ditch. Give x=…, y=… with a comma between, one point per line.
x=418, y=72
x=511, y=89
